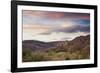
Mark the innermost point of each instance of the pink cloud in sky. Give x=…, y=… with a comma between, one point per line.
x=55, y=15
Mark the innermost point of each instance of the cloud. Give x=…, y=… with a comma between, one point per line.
x=45, y=33
x=36, y=26
x=50, y=25
x=36, y=29
x=43, y=14
x=73, y=29
x=66, y=38
x=83, y=16
x=66, y=27
x=70, y=29
x=55, y=15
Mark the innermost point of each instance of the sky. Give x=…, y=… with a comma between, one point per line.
x=50, y=26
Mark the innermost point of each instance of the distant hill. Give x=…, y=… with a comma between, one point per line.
x=36, y=45
x=79, y=43
x=78, y=48
x=75, y=44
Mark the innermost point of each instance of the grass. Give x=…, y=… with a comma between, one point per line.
x=53, y=55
